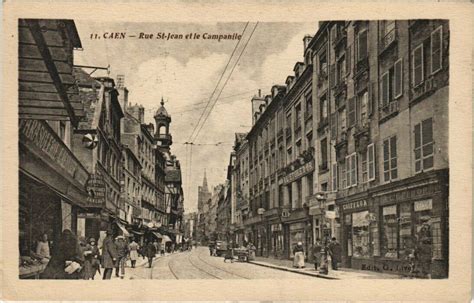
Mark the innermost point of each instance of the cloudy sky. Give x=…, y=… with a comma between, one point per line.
x=185, y=73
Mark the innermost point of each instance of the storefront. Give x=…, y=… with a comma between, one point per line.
x=298, y=229
x=51, y=191
x=277, y=240
x=394, y=223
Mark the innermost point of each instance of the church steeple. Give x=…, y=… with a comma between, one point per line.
x=163, y=120
x=204, y=182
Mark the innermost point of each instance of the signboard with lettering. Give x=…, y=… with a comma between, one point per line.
x=354, y=205
x=299, y=172
x=95, y=187
x=423, y=205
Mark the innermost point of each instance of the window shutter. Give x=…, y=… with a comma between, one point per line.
x=436, y=50
x=372, y=93
x=348, y=171
x=348, y=60
x=386, y=160
x=384, y=89
x=354, y=169
x=334, y=176
x=371, y=161
x=398, y=75
x=418, y=65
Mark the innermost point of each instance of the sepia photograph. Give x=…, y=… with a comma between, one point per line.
x=233, y=150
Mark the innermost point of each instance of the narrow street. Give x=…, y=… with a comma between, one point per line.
x=198, y=264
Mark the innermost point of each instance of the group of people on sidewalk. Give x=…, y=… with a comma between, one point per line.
x=333, y=249
x=79, y=258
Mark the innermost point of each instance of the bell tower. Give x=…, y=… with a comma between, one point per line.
x=162, y=133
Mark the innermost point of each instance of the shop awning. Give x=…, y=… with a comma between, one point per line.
x=123, y=229
x=166, y=239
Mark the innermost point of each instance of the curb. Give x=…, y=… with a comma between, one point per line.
x=292, y=270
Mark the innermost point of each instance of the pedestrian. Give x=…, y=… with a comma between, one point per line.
x=93, y=258
x=229, y=255
x=210, y=249
x=42, y=248
x=423, y=251
x=317, y=253
x=298, y=251
x=66, y=259
x=334, y=249
x=150, y=253
x=251, y=251
x=122, y=253
x=133, y=248
x=109, y=255
x=162, y=248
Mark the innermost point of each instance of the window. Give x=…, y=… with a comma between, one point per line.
x=398, y=79
x=334, y=176
x=340, y=69
x=309, y=140
x=324, y=107
x=324, y=187
x=424, y=145
x=390, y=232
x=309, y=104
x=348, y=60
x=324, y=153
x=363, y=103
x=360, y=234
x=371, y=161
x=333, y=125
x=62, y=130
x=342, y=176
x=390, y=159
x=310, y=184
x=298, y=115
x=436, y=50
x=351, y=170
x=385, y=89
x=405, y=231
x=342, y=118
x=361, y=45
x=418, y=65
x=365, y=171
x=351, y=120
x=323, y=63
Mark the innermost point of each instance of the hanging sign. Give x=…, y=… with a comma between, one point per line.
x=95, y=188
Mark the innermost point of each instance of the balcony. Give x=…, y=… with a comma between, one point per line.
x=423, y=90
x=361, y=67
x=388, y=40
x=389, y=110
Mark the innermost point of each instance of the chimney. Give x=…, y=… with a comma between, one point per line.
x=306, y=41
x=120, y=81
x=259, y=92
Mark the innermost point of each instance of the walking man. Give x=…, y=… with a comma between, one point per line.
x=109, y=254
x=122, y=253
x=334, y=249
x=150, y=253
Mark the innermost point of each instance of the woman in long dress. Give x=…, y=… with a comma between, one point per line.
x=133, y=247
x=298, y=260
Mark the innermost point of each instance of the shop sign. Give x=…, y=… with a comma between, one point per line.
x=298, y=226
x=423, y=205
x=331, y=214
x=390, y=210
x=299, y=172
x=43, y=137
x=88, y=215
x=354, y=205
x=407, y=194
x=95, y=188
x=386, y=267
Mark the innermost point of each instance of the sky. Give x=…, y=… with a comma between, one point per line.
x=185, y=73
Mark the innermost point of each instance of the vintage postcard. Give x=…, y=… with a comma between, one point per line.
x=212, y=151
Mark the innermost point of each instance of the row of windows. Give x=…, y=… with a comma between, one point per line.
x=348, y=173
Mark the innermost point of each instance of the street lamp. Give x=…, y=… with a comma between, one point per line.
x=323, y=269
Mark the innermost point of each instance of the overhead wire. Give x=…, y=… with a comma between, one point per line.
x=218, y=82
x=225, y=83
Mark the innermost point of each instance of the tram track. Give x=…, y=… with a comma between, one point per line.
x=221, y=269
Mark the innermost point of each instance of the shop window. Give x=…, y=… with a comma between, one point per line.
x=405, y=231
x=348, y=232
x=436, y=50
x=390, y=159
x=424, y=146
x=360, y=234
x=436, y=238
x=389, y=237
x=417, y=65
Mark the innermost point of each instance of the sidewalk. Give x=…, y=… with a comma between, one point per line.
x=340, y=274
